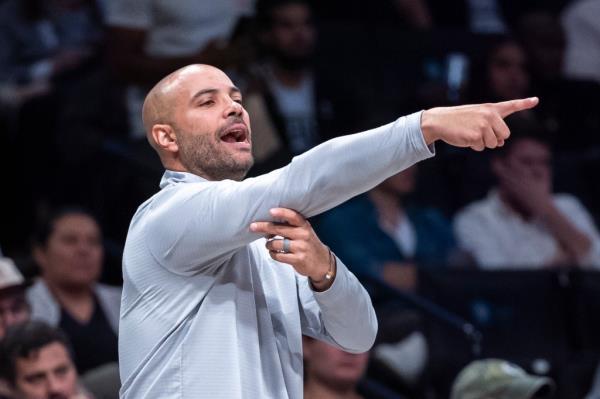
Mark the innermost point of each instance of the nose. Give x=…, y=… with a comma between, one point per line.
x=234, y=109
x=54, y=385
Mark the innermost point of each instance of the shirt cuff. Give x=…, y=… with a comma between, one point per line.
x=413, y=123
x=338, y=292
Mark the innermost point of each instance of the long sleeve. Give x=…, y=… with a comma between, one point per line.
x=197, y=226
x=342, y=315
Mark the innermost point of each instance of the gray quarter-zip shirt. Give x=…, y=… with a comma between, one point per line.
x=206, y=312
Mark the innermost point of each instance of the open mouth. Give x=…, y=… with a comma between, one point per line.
x=236, y=133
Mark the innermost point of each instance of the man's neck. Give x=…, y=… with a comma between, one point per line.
x=316, y=390
x=78, y=300
x=514, y=205
x=290, y=77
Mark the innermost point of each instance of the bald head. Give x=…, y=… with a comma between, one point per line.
x=162, y=99
x=195, y=121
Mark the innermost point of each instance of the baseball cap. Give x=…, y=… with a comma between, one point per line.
x=498, y=379
x=9, y=274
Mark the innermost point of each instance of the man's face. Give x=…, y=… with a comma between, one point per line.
x=73, y=254
x=328, y=363
x=47, y=373
x=211, y=125
x=292, y=35
x=530, y=160
x=508, y=75
x=13, y=308
x=402, y=183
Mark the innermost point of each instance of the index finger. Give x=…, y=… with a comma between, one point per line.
x=290, y=216
x=505, y=108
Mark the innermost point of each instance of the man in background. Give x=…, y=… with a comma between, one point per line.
x=36, y=363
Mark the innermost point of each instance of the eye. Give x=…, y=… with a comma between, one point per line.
x=206, y=103
x=238, y=100
x=62, y=371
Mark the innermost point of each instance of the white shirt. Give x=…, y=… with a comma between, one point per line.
x=297, y=106
x=582, y=32
x=173, y=29
x=499, y=238
x=206, y=313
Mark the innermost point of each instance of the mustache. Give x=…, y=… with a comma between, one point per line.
x=233, y=120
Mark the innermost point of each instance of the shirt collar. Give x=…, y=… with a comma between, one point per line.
x=174, y=177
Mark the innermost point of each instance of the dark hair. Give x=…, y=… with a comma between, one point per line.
x=523, y=126
x=24, y=339
x=45, y=225
x=478, y=86
x=265, y=8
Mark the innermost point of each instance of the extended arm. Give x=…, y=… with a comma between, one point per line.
x=205, y=222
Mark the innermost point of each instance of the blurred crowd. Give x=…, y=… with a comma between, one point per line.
x=73, y=76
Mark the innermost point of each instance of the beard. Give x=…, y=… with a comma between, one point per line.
x=201, y=155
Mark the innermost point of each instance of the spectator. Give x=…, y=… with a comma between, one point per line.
x=580, y=22
x=499, y=74
x=47, y=48
x=68, y=249
x=41, y=41
x=35, y=360
x=521, y=223
x=331, y=372
x=499, y=379
x=149, y=39
x=297, y=107
x=14, y=308
x=544, y=40
x=383, y=234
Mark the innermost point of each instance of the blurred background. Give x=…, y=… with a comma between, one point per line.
x=469, y=255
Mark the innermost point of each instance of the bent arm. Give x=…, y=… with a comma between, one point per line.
x=342, y=316
x=199, y=225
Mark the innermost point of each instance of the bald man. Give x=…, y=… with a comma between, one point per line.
x=213, y=306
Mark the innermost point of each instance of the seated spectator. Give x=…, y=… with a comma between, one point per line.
x=501, y=73
x=35, y=360
x=41, y=41
x=330, y=372
x=294, y=107
x=150, y=39
x=14, y=308
x=68, y=249
x=499, y=379
x=382, y=234
x=47, y=48
x=522, y=223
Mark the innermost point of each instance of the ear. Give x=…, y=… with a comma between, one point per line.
x=165, y=138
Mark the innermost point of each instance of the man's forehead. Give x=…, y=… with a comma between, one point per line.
x=201, y=78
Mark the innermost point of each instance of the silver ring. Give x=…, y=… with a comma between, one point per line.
x=286, y=246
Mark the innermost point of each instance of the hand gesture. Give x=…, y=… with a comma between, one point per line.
x=476, y=126
x=299, y=247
